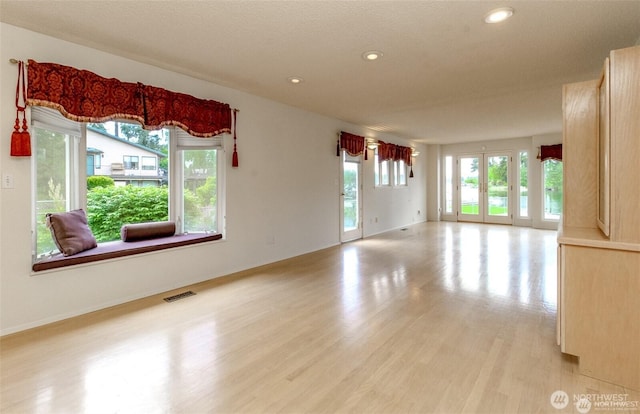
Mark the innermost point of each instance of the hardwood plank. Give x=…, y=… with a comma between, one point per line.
x=443, y=317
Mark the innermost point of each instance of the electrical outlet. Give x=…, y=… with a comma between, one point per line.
x=7, y=181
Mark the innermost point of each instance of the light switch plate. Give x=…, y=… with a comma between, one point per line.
x=7, y=181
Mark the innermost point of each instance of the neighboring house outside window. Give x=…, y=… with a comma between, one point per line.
x=121, y=159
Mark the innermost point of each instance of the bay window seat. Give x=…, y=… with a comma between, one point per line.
x=118, y=248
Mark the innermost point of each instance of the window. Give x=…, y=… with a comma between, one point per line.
x=376, y=168
x=130, y=162
x=389, y=171
x=399, y=173
x=552, y=181
x=523, y=184
x=192, y=177
x=200, y=171
x=97, y=161
x=448, y=184
x=381, y=171
x=56, y=148
x=148, y=163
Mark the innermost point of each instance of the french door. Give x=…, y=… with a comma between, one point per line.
x=484, y=188
x=351, y=198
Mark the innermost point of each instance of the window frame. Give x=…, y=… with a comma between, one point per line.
x=399, y=165
x=393, y=172
x=75, y=174
x=179, y=141
x=153, y=167
x=378, y=167
x=128, y=165
x=527, y=213
x=544, y=217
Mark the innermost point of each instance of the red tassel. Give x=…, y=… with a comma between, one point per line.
x=234, y=162
x=234, y=159
x=21, y=140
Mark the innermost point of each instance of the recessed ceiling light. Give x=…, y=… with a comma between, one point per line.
x=372, y=55
x=498, y=15
x=295, y=80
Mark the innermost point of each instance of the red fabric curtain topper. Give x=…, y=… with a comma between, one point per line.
x=83, y=96
x=551, y=152
x=353, y=144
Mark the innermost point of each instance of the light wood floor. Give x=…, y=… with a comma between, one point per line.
x=439, y=318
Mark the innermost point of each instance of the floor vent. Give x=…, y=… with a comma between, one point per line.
x=179, y=296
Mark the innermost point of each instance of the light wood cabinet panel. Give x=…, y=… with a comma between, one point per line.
x=602, y=321
x=579, y=147
x=625, y=144
x=599, y=274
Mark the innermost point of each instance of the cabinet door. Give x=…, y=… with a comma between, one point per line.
x=624, y=85
x=603, y=151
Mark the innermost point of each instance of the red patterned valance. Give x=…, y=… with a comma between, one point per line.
x=550, y=152
x=386, y=151
x=199, y=117
x=83, y=96
x=353, y=144
x=403, y=154
x=394, y=152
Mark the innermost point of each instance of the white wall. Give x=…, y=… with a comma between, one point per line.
x=285, y=190
x=434, y=180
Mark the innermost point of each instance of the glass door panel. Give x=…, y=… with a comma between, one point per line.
x=496, y=188
x=351, y=204
x=484, y=188
x=470, y=206
x=523, y=185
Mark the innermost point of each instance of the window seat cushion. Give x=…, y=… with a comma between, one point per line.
x=114, y=249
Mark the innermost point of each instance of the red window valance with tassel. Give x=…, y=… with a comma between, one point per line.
x=386, y=151
x=353, y=144
x=403, y=154
x=356, y=145
x=394, y=152
x=553, y=152
x=83, y=96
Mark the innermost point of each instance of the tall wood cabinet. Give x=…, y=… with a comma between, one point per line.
x=599, y=273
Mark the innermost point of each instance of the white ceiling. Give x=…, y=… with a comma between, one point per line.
x=446, y=76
